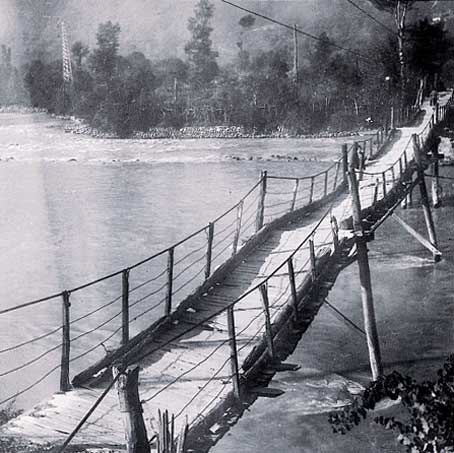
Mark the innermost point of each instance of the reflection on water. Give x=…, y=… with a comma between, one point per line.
x=415, y=314
x=74, y=208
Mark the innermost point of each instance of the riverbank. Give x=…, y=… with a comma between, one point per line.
x=20, y=109
x=80, y=127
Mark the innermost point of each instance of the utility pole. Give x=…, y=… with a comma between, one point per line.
x=295, y=54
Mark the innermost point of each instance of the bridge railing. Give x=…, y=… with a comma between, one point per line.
x=97, y=317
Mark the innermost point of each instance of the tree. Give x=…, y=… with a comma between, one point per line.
x=104, y=58
x=399, y=9
x=201, y=57
x=79, y=51
x=429, y=406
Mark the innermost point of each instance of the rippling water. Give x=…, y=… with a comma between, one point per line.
x=414, y=301
x=74, y=208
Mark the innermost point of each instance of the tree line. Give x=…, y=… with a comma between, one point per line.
x=259, y=90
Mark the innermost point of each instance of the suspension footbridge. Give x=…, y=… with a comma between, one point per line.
x=224, y=307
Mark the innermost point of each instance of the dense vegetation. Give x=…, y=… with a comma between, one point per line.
x=429, y=409
x=259, y=90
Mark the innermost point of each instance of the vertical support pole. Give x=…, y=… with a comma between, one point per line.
x=405, y=160
x=233, y=351
x=266, y=311
x=392, y=118
x=325, y=190
x=125, y=307
x=336, y=176
x=424, y=197
x=131, y=409
x=378, y=140
x=437, y=113
x=66, y=344
x=291, y=276
x=239, y=217
x=209, y=251
x=170, y=259
x=295, y=194
x=364, y=275
x=371, y=148
x=383, y=175
x=261, y=203
x=401, y=167
x=311, y=193
x=435, y=185
x=312, y=257
x=295, y=54
x=393, y=175
x=377, y=184
x=345, y=162
x=335, y=232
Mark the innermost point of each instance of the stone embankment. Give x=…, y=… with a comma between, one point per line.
x=20, y=109
x=76, y=126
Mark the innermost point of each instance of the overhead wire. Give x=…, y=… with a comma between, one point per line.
x=299, y=30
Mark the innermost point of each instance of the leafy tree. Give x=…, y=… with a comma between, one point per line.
x=430, y=48
x=399, y=9
x=429, y=406
x=201, y=56
x=104, y=58
x=79, y=51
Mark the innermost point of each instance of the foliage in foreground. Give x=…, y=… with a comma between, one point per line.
x=429, y=405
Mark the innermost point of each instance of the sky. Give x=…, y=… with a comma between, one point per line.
x=159, y=27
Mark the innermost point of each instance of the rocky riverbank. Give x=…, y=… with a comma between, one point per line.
x=75, y=126
x=20, y=109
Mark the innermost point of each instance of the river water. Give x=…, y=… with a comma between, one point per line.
x=74, y=208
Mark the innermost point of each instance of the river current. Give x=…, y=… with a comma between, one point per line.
x=74, y=208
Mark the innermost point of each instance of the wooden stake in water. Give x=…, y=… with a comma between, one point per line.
x=370, y=326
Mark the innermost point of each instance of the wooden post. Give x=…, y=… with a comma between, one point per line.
x=424, y=197
x=295, y=54
x=437, y=113
x=261, y=203
x=125, y=308
x=345, y=161
x=405, y=160
x=311, y=193
x=336, y=175
x=335, y=233
x=266, y=311
x=291, y=276
x=377, y=184
x=295, y=194
x=239, y=217
x=168, y=306
x=371, y=148
x=209, y=251
x=383, y=175
x=401, y=168
x=392, y=118
x=364, y=275
x=312, y=258
x=435, y=185
x=393, y=175
x=131, y=409
x=66, y=344
x=233, y=352
x=326, y=184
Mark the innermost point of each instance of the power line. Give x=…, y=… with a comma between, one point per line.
x=293, y=28
x=372, y=17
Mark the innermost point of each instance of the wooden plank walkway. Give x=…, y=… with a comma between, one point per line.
x=200, y=358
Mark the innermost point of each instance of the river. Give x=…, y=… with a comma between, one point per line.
x=74, y=208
